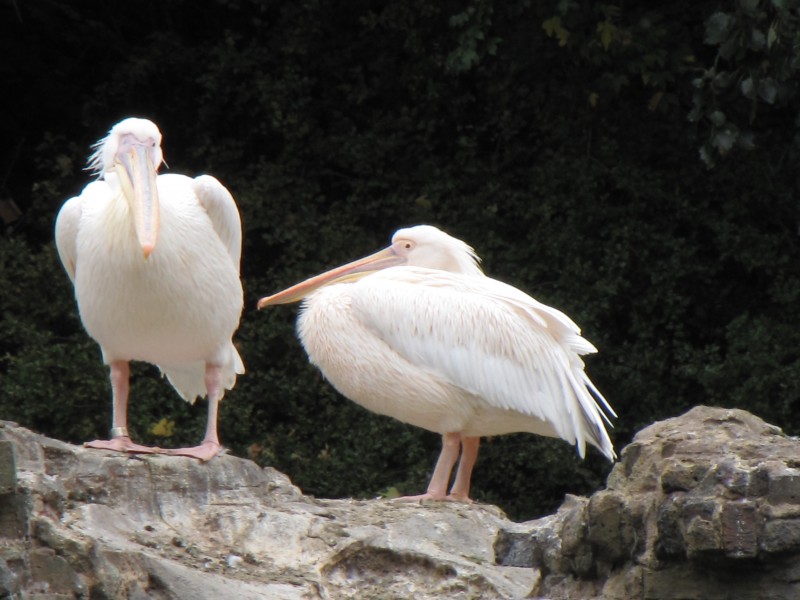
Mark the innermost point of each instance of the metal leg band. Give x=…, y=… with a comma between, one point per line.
x=117, y=432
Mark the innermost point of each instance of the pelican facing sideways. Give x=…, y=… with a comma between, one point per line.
x=418, y=332
x=155, y=264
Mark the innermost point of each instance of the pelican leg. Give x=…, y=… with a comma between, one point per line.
x=469, y=454
x=210, y=445
x=437, y=488
x=120, y=388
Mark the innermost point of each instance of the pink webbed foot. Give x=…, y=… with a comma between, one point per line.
x=459, y=498
x=421, y=497
x=435, y=497
x=121, y=444
x=205, y=451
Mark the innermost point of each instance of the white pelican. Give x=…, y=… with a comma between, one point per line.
x=419, y=333
x=155, y=265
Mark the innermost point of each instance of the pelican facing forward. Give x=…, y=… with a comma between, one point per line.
x=418, y=332
x=155, y=264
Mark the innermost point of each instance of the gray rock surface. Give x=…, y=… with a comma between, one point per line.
x=80, y=523
x=705, y=506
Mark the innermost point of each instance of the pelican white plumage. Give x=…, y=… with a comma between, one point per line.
x=419, y=333
x=155, y=264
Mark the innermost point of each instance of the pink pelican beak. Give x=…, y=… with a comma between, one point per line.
x=350, y=272
x=137, y=173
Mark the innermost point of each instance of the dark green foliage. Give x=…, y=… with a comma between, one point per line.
x=754, y=76
x=569, y=142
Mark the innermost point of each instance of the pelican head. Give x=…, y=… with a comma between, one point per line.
x=419, y=246
x=429, y=247
x=129, y=156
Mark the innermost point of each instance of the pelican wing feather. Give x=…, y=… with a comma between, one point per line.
x=221, y=208
x=67, y=224
x=491, y=340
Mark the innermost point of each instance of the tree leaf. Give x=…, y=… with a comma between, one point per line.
x=654, y=101
x=606, y=29
x=725, y=138
x=729, y=48
x=707, y=155
x=757, y=40
x=772, y=35
x=717, y=26
x=164, y=428
x=746, y=141
x=749, y=6
x=553, y=28
x=748, y=89
x=723, y=79
x=768, y=90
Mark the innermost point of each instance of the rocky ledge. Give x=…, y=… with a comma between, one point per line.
x=702, y=506
x=705, y=506
x=79, y=523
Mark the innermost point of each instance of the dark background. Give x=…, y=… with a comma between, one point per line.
x=633, y=164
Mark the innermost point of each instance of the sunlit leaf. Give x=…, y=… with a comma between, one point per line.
x=772, y=35
x=606, y=31
x=164, y=428
x=554, y=28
